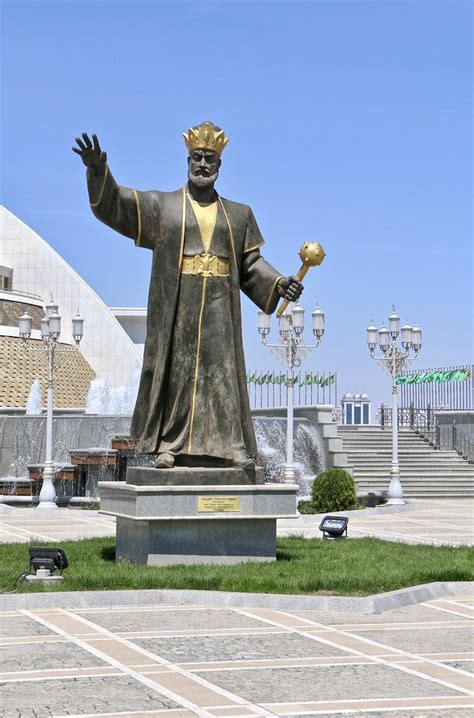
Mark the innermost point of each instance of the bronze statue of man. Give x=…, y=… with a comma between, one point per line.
x=192, y=407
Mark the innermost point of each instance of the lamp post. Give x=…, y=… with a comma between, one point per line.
x=291, y=352
x=394, y=360
x=50, y=332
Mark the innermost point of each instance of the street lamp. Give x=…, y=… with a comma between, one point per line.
x=291, y=352
x=50, y=332
x=394, y=360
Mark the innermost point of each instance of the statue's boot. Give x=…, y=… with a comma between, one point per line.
x=242, y=462
x=164, y=461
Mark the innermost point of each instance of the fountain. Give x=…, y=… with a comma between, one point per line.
x=102, y=443
x=103, y=398
x=309, y=455
x=33, y=403
x=22, y=444
x=96, y=446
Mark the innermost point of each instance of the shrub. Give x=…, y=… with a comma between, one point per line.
x=333, y=490
x=306, y=507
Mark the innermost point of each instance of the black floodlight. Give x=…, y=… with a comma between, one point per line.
x=334, y=527
x=47, y=558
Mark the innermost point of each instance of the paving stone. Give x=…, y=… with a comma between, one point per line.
x=169, y=620
x=18, y=626
x=467, y=666
x=436, y=640
x=228, y=648
x=79, y=696
x=456, y=712
x=44, y=656
x=410, y=614
x=319, y=683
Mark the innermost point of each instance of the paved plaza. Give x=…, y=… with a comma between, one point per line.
x=433, y=521
x=425, y=521
x=181, y=661
x=143, y=660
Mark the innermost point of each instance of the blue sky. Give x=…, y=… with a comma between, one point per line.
x=350, y=124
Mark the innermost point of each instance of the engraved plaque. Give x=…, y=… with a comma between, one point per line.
x=218, y=504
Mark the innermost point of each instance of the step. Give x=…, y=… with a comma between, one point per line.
x=428, y=485
x=423, y=446
x=416, y=455
x=426, y=472
x=406, y=481
x=418, y=475
x=455, y=460
x=374, y=460
x=415, y=478
x=421, y=451
x=428, y=491
x=414, y=465
x=419, y=481
x=387, y=456
x=384, y=440
x=415, y=486
x=427, y=494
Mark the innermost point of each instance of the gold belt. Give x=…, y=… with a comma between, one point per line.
x=208, y=265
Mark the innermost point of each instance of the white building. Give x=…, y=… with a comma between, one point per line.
x=113, y=340
x=133, y=321
x=356, y=409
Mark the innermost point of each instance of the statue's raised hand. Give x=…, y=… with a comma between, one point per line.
x=90, y=152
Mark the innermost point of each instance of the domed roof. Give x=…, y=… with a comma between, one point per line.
x=364, y=396
x=347, y=397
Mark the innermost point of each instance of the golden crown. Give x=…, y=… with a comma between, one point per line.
x=205, y=136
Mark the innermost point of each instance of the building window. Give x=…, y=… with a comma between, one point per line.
x=5, y=282
x=365, y=413
x=357, y=414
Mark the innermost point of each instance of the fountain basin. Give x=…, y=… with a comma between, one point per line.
x=15, y=486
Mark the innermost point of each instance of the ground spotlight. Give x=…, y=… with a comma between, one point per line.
x=334, y=527
x=45, y=561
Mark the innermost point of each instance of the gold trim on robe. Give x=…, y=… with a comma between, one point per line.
x=196, y=371
x=96, y=204
x=271, y=292
x=139, y=219
x=252, y=249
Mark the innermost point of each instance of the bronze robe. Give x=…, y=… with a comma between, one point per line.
x=192, y=400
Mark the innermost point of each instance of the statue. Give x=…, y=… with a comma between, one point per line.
x=192, y=407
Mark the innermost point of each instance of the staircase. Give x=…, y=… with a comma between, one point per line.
x=425, y=472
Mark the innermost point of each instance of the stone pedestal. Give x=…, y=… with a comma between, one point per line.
x=196, y=516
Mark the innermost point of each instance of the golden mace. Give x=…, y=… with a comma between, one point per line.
x=312, y=255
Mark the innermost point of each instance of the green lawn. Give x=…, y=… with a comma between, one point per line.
x=355, y=567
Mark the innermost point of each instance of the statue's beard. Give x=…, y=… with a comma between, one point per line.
x=201, y=181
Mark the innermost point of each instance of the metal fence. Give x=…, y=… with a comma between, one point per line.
x=431, y=391
x=424, y=423
x=268, y=389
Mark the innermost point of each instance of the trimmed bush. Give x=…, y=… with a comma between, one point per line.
x=333, y=490
x=306, y=507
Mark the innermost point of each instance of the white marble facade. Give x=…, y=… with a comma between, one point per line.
x=39, y=270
